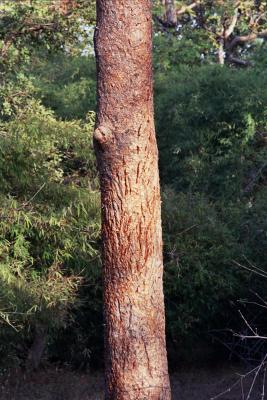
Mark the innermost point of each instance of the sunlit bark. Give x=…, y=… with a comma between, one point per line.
x=125, y=143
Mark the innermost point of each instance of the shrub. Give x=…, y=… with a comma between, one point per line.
x=49, y=224
x=211, y=125
x=210, y=122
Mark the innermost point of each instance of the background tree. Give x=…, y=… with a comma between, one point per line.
x=231, y=27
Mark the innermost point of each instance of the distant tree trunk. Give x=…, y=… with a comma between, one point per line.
x=37, y=348
x=125, y=143
x=171, y=14
x=221, y=53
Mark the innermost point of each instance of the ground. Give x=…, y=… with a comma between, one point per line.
x=62, y=384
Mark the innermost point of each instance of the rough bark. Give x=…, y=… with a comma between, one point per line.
x=125, y=143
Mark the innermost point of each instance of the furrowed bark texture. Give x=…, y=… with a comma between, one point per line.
x=125, y=143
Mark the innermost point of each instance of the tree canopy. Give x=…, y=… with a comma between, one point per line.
x=228, y=31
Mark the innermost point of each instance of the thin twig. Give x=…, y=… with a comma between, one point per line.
x=259, y=297
x=258, y=337
x=33, y=197
x=263, y=384
x=254, y=266
x=252, y=302
x=248, y=325
x=255, y=377
x=226, y=391
x=242, y=388
x=242, y=377
x=264, y=275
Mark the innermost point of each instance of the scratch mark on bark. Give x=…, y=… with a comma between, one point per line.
x=148, y=359
x=138, y=172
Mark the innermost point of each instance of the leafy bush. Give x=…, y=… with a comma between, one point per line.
x=192, y=48
x=210, y=122
x=66, y=84
x=49, y=223
x=201, y=281
x=211, y=125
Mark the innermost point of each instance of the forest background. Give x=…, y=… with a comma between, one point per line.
x=210, y=78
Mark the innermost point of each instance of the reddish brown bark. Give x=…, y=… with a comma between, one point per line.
x=135, y=355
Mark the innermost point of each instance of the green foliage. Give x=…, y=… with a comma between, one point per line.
x=66, y=84
x=50, y=214
x=203, y=242
x=49, y=220
x=33, y=27
x=201, y=281
x=200, y=30
x=211, y=124
x=192, y=48
x=209, y=127
x=39, y=153
x=28, y=24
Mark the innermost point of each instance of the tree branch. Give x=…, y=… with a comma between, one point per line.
x=11, y=37
x=185, y=9
x=228, y=32
x=237, y=61
x=251, y=37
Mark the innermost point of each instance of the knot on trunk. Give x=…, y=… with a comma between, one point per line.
x=102, y=134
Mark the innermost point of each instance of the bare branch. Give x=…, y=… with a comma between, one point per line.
x=259, y=297
x=237, y=61
x=248, y=325
x=252, y=302
x=256, y=271
x=228, y=32
x=226, y=391
x=185, y=9
x=263, y=384
x=258, y=337
x=255, y=377
x=256, y=372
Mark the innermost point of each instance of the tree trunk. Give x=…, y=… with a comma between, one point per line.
x=221, y=53
x=125, y=143
x=37, y=348
x=171, y=15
